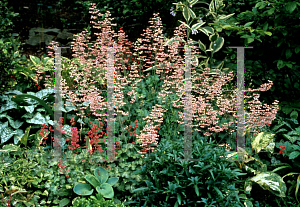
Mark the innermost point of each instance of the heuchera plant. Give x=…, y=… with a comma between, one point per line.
x=95, y=98
x=149, y=134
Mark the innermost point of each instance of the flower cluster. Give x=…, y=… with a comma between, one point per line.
x=61, y=166
x=173, y=12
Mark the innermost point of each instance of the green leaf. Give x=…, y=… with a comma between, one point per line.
x=248, y=24
x=265, y=27
x=186, y=14
x=271, y=11
x=225, y=17
x=179, y=198
x=196, y=189
x=291, y=6
x=202, y=46
x=280, y=64
x=262, y=140
x=197, y=25
x=92, y=180
x=18, y=98
x=261, y=5
x=211, y=6
x=106, y=190
x=35, y=60
x=284, y=32
x=125, y=11
x=217, y=45
x=226, y=26
x=268, y=33
x=297, y=49
x=288, y=53
x=112, y=180
x=271, y=182
x=249, y=40
x=25, y=136
x=207, y=30
x=101, y=174
x=83, y=189
x=64, y=202
x=192, y=14
x=193, y=2
x=16, y=54
x=294, y=154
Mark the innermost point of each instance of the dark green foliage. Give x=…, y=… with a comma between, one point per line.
x=9, y=48
x=189, y=183
x=281, y=65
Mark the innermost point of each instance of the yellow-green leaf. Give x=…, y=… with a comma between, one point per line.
x=184, y=24
x=268, y=33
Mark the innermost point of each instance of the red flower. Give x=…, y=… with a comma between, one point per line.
x=282, y=148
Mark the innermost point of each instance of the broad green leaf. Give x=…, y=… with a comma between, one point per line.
x=16, y=54
x=268, y=33
x=217, y=45
x=64, y=202
x=265, y=27
x=294, y=155
x=197, y=25
x=262, y=140
x=83, y=189
x=202, y=46
x=106, y=190
x=284, y=32
x=101, y=174
x=261, y=5
x=291, y=6
x=35, y=60
x=280, y=64
x=192, y=14
x=249, y=40
x=289, y=65
x=288, y=53
x=112, y=180
x=271, y=11
x=125, y=11
x=186, y=14
x=290, y=138
x=207, y=30
x=92, y=180
x=271, y=182
x=297, y=49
